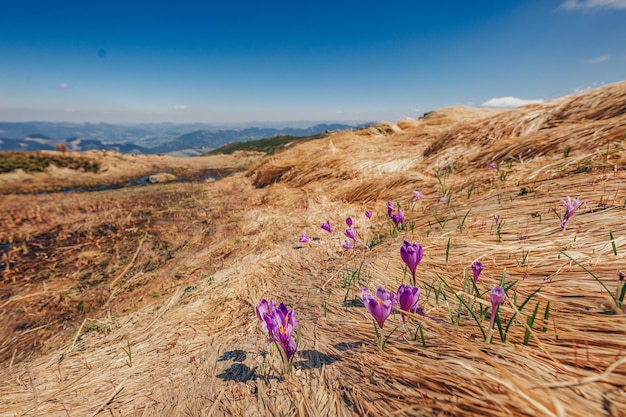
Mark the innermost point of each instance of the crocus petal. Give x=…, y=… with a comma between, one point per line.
x=264, y=310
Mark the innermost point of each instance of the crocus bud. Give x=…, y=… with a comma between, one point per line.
x=389, y=208
x=411, y=254
x=477, y=268
x=496, y=294
x=408, y=296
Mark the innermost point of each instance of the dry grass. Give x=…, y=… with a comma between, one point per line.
x=47, y=171
x=212, y=251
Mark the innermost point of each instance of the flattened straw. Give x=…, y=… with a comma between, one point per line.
x=117, y=391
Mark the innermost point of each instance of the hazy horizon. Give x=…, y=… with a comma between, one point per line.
x=126, y=63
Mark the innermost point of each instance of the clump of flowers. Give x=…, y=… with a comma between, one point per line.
x=279, y=323
x=397, y=216
x=571, y=205
x=411, y=254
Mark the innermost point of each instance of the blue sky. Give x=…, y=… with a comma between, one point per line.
x=246, y=61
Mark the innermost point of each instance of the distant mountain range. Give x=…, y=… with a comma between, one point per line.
x=177, y=139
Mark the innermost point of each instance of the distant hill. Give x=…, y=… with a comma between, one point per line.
x=207, y=140
x=189, y=139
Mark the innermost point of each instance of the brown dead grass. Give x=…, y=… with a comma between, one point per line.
x=216, y=249
x=116, y=168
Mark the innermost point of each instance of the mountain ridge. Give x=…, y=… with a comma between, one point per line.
x=159, y=138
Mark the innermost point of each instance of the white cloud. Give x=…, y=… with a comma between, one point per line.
x=180, y=107
x=597, y=59
x=509, y=102
x=587, y=87
x=593, y=4
x=61, y=86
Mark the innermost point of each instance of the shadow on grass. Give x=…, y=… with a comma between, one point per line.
x=312, y=359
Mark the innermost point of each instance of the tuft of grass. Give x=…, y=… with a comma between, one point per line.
x=39, y=162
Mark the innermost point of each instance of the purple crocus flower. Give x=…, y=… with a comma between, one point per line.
x=390, y=208
x=571, y=205
x=281, y=325
x=379, y=306
x=326, y=226
x=304, y=238
x=408, y=296
x=368, y=214
x=621, y=276
x=349, y=221
x=411, y=254
x=350, y=233
x=417, y=195
x=443, y=200
x=347, y=244
x=496, y=294
x=398, y=218
x=497, y=220
x=477, y=268
x=491, y=166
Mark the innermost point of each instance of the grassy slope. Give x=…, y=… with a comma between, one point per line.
x=177, y=279
x=266, y=145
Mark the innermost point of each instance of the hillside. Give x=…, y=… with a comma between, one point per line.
x=141, y=301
